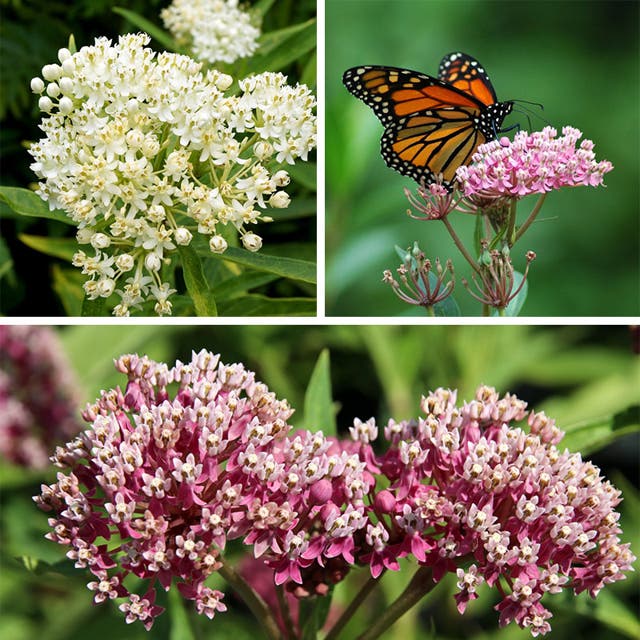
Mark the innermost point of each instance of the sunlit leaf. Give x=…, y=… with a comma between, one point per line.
x=27, y=203
x=197, y=286
x=319, y=414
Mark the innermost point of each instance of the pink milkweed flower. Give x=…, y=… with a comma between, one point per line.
x=532, y=163
x=465, y=484
x=39, y=396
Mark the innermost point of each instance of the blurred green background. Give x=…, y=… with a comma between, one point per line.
x=575, y=374
x=578, y=58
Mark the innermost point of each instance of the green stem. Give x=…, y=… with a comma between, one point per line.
x=511, y=235
x=486, y=310
x=430, y=311
x=460, y=246
x=421, y=584
x=259, y=608
x=346, y=616
x=532, y=216
x=284, y=610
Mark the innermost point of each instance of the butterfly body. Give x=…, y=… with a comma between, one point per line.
x=432, y=125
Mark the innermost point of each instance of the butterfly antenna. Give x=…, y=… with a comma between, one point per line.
x=525, y=110
x=526, y=115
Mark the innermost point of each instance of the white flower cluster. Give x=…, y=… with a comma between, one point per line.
x=144, y=150
x=214, y=30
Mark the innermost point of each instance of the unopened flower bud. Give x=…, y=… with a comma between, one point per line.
x=37, y=85
x=45, y=104
x=224, y=81
x=105, y=287
x=83, y=236
x=151, y=146
x=51, y=72
x=66, y=85
x=384, y=502
x=64, y=54
x=217, y=244
x=100, y=241
x=153, y=262
x=53, y=90
x=251, y=241
x=68, y=67
x=125, y=262
x=65, y=106
x=262, y=150
x=280, y=200
x=321, y=491
x=182, y=236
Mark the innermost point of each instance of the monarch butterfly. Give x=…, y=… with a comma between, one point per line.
x=432, y=125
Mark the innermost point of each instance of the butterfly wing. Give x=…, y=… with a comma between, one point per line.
x=394, y=93
x=432, y=125
x=422, y=146
x=465, y=73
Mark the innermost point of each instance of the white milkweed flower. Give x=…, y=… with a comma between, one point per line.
x=214, y=30
x=144, y=150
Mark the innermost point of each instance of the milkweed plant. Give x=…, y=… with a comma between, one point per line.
x=164, y=160
x=189, y=461
x=501, y=173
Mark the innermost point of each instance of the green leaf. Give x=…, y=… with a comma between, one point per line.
x=27, y=203
x=310, y=72
x=447, y=308
x=318, y=399
x=152, y=29
x=285, y=267
x=304, y=173
x=39, y=567
x=313, y=615
x=197, y=286
x=6, y=262
x=93, y=308
x=299, y=208
x=262, y=7
x=63, y=248
x=180, y=623
x=280, y=48
x=606, y=608
x=67, y=284
x=257, y=305
x=237, y=285
x=590, y=436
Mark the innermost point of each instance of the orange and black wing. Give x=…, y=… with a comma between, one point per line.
x=424, y=145
x=395, y=93
x=465, y=73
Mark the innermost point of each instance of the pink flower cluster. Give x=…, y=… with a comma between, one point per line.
x=532, y=163
x=166, y=479
x=38, y=395
x=192, y=456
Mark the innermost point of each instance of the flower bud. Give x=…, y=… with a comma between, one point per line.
x=64, y=54
x=105, y=287
x=68, y=67
x=125, y=262
x=321, y=491
x=83, y=236
x=183, y=236
x=224, y=81
x=280, y=200
x=37, y=85
x=51, y=72
x=66, y=85
x=45, y=104
x=133, y=106
x=53, y=90
x=384, y=502
x=262, y=150
x=65, y=106
x=151, y=146
x=153, y=262
x=100, y=241
x=251, y=241
x=281, y=178
x=217, y=244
